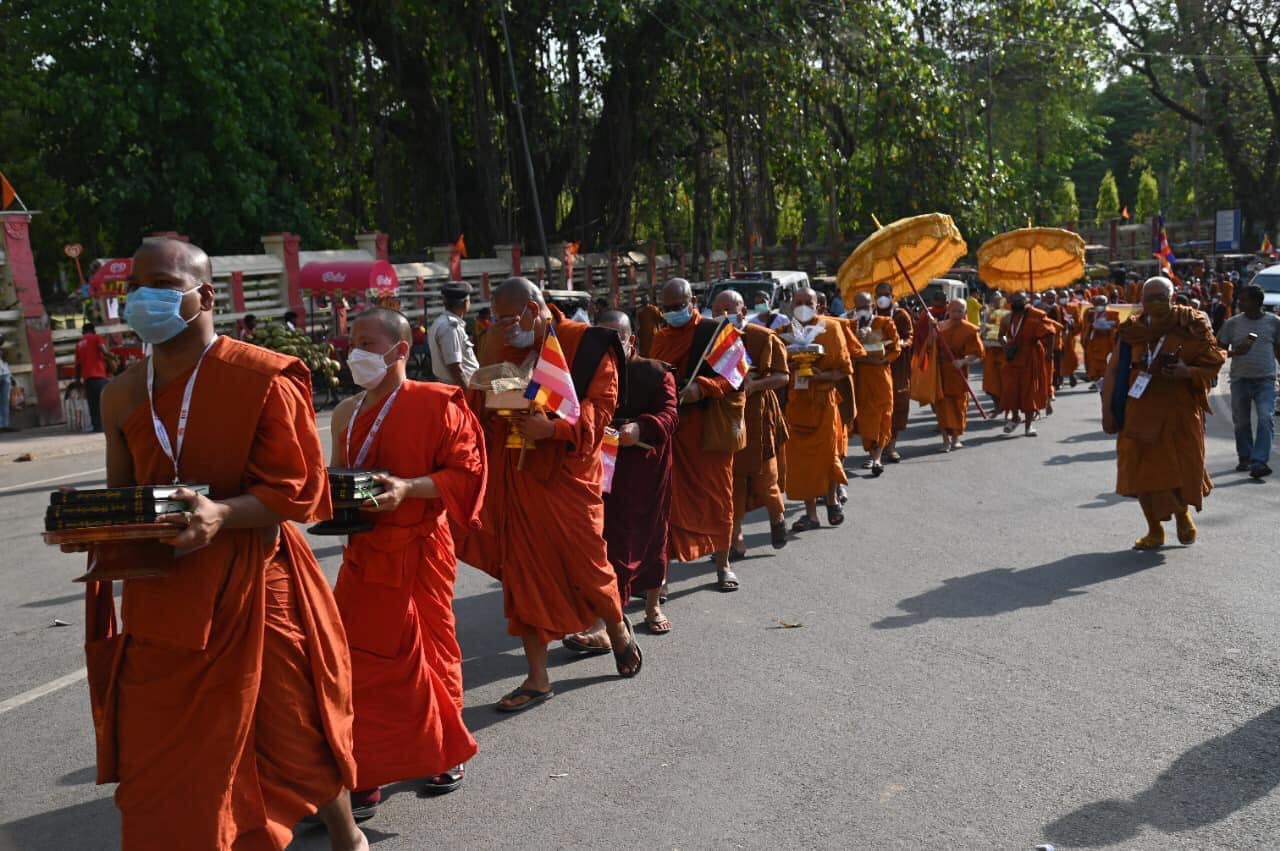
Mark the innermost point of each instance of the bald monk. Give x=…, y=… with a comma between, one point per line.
x=702, y=479
x=1073, y=307
x=873, y=379
x=222, y=703
x=755, y=466
x=993, y=349
x=963, y=340
x=648, y=320
x=395, y=587
x=1053, y=346
x=1098, y=331
x=816, y=438
x=542, y=523
x=1171, y=358
x=900, y=369
x=1026, y=336
x=638, y=507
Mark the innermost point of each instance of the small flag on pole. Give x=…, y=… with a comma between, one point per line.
x=1267, y=248
x=728, y=356
x=455, y=259
x=551, y=385
x=608, y=458
x=1124, y=214
x=7, y=195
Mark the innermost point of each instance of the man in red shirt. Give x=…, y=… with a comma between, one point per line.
x=91, y=370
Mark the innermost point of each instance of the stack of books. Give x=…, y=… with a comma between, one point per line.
x=113, y=514
x=350, y=487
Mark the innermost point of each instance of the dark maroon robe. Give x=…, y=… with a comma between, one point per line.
x=638, y=507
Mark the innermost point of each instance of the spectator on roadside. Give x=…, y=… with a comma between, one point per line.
x=1252, y=339
x=91, y=370
x=453, y=360
x=6, y=385
x=249, y=325
x=290, y=320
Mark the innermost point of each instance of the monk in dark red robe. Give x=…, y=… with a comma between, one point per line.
x=395, y=588
x=1171, y=358
x=1026, y=336
x=542, y=524
x=964, y=345
x=222, y=698
x=702, y=479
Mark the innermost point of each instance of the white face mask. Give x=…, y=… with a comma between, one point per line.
x=368, y=368
x=804, y=313
x=863, y=313
x=884, y=302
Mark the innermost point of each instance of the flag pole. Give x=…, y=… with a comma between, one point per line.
x=693, y=375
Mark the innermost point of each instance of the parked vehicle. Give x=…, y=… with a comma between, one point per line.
x=781, y=287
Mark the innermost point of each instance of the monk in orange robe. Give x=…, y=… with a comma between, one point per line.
x=395, y=587
x=816, y=437
x=756, y=481
x=900, y=369
x=222, y=697
x=1228, y=290
x=1171, y=358
x=542, y=523
x=702, y=479
x=873, y=379
x=965, y=344
x=648, y=320
x=1073, y=308
x=993, y=349
x=1026, y=335
x=1099, y=330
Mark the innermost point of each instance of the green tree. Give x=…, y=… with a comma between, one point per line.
x=1108, y=206
x=1148, y=203
x=1065, y=205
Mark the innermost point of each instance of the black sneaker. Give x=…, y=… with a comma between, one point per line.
x=1244, y=467
x=1261, y=471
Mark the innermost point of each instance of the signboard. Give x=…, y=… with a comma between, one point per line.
x=1226, y=230
x=73, y=250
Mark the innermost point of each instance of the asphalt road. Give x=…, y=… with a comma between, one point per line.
x=980, y=662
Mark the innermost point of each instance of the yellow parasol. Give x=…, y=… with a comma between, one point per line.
x=908, y=250
x=1027, y=258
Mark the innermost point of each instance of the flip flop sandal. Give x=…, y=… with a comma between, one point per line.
x=582, y=647
x=734, y=555
x=1031, y=432
x=444, y=782
x=726, y=581
x=834, y=516
x=622, y=658
x=843, y=494
x=1009, y=427
x=893, y=458
x=534, y=697
x=866, y=465
x=658, y=626
x=876, y=470
x=804, y=524
x=662, y=594
x=778, y=534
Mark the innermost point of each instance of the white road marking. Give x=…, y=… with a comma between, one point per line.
x=40, y=691
x=22, y=485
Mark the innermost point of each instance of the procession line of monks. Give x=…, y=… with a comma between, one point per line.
x=236, y=694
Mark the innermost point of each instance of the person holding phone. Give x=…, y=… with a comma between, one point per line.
x=1252, y=340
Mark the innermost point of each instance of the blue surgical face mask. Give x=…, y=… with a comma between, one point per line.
x=737, y=320
x=678, y=318
x=155, y=313
x=761, y=309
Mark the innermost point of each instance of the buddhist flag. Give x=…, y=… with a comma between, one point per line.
x=7, y=195
x=455, y=259
x=608, y=458
x=551, y=385
x=1267, y=248
x=728, y=356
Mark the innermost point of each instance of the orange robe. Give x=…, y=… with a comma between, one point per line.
x=1228, y=296
x=222, y=705
x=1053, y=346
x=993, y=354
x=395, y=588
x=1071, y=342
x=1023, y=376
x=756, y=475
x=901, y=370
x=1160, y=449
x=542, y=527
x=816, y=438
x=873, y=387
x=953, y=408
x=1098, y=344
x=701, y=481
x=648, y=320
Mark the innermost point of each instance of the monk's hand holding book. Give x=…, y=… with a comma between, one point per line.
x=203, y=521
x=394, y=491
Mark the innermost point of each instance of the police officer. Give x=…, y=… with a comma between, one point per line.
x=453, y=358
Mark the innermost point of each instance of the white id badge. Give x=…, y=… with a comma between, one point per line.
x=802, y=383
x=1139, y=386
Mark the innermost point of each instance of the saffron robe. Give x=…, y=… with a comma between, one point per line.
x=395, y=588
x=701, y=481
x=993, y=354
x=900, y=369
x=816, y=437
x=1022, y=378
x=1071, y=342
x=873, y=386
x=637, y=509
x=222, y=702
x=756, y=474
x=542, y=527
x=1098, y=343
x=1160, y=449
x=952, y=409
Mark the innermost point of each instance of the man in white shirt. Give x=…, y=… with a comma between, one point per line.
x=1252, y=339
x=453, y=359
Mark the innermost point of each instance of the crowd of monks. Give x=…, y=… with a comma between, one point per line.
x=236, y=694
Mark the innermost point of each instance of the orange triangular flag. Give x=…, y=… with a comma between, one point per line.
x=7, y=195
x=1124, y=214
x=460, y=247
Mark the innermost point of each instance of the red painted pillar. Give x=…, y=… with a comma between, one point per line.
x=418, y=287
x=291, y=244
x=1115, y=238
x=237, y=292
x=586, y=280
x=706, y=268
x=653, y=269
x=794, y=256
x=613, y=275
x=683, y=260
x=484, y=286
x=516, y=254
x=381, y=242
x=22, y=267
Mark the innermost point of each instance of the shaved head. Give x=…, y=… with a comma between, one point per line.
x=174, y=255
x=861, y=301
x=884, y=288
x=805, y=295
x=675, y=294
x=1157, y=286
x=517, y=292
x=956, y=308
x=615, y=320
x=728, y=301
x=390, y=325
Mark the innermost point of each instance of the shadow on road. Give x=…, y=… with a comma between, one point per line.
x=1088, y=438
x=1205, y=785
x=93, y=824
x=1003, y=590
x=1104, y=500
x=1083, y=457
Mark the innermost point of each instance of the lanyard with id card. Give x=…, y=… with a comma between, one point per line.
x=1143, y=381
